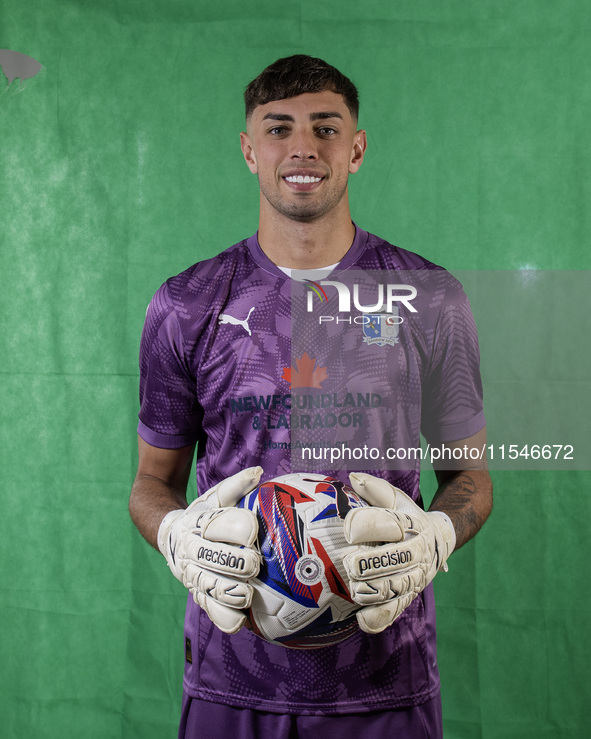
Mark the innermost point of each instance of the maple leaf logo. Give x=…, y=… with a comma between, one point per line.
x=305, y=374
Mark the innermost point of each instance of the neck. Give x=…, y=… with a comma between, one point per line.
x=306, y=245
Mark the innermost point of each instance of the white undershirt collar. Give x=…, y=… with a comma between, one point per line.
x=318, y=273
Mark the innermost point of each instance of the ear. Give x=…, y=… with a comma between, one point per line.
x=248, y=152
x=358, y=151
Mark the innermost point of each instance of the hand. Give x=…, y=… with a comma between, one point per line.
x=386, y=579
x=209, y=548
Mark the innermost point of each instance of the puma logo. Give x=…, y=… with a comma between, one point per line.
x=225, y=318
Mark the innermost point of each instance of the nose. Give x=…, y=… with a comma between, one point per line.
x=304, y=146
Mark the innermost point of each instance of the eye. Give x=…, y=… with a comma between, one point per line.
x=277, y=130
x=326, y=131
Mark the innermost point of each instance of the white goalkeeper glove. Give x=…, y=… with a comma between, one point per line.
x=209, y=547
x=415, y=545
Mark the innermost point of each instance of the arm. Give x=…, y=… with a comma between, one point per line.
x=411, y=546
x=465, y=494
x=209, y=545
x=160, y=486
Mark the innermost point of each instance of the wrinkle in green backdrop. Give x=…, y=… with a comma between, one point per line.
x=120, y=167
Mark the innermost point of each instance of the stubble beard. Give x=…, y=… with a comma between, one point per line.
x=301, y=208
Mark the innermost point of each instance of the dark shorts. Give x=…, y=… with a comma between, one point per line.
x=214, y=720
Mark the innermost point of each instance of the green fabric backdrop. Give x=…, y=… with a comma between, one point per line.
x=119, y=167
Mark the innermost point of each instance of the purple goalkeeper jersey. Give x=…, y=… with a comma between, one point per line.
x=228, y=362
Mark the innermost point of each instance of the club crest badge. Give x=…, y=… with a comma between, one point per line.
x=381, y=329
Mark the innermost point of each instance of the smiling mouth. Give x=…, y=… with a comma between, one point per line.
x=303, y=183
x=302, y=179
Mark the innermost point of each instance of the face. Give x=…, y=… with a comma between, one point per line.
x=303, y=150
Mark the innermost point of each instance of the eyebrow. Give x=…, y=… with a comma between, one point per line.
x=313, y=116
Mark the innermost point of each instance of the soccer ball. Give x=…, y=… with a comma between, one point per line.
x=301, y=599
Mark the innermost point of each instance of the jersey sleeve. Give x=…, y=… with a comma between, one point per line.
x=452, y=407
x=170, y=414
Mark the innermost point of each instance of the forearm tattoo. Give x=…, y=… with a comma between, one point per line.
x=467, y=499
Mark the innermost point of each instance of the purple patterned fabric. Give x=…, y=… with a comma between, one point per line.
x=417, y=722
x=217, y=369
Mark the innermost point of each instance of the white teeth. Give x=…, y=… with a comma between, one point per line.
x=301, y=180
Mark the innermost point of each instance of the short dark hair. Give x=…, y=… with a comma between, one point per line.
x=297, y=75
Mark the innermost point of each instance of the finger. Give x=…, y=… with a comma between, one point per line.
x=227, y=591
x=231, y=525
x=405, y=505
x=378, y=492
x=366, y=563
x=225, y=559
x=229, y=620
x=383, y=589
x=368, y=525
x=229, y=491
x=234, y=488
x=374, y=490
x=373, y=619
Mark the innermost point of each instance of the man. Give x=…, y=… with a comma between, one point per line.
x=221, y=332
